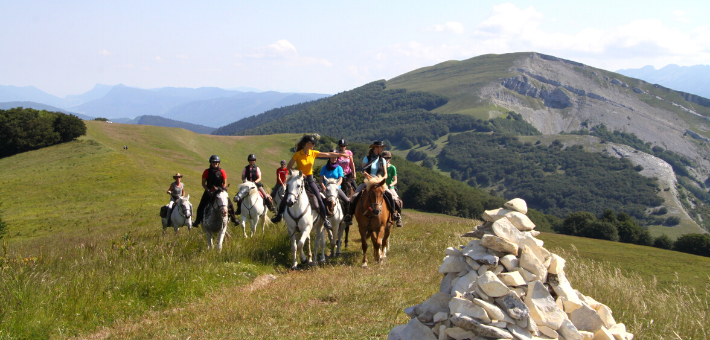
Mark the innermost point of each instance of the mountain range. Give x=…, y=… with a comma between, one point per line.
x=693, y=79
x=203, y=106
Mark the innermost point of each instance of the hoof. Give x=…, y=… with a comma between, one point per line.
x=364, y=265
x=294, y=268
x=312, y=264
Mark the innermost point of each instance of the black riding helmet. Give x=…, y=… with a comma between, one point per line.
x=252, y=157
x=342, y=142
x=215, y=158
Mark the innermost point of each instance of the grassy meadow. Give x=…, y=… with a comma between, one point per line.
x=85, y=258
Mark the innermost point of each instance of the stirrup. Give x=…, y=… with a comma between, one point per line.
x=327, y=225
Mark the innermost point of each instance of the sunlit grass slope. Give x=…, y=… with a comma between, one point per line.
x=93, y=186
x=86, y=258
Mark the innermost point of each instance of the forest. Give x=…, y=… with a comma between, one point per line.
x=28, y=129
x=371, y=112
x=552, y=179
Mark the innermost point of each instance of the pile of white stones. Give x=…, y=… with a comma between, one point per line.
x=505, y=285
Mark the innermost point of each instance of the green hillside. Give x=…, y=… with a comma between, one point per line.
x=85, y=257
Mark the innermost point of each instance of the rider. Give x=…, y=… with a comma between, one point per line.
x=392, y=185
x=348, y=165
x=281, y=174
x=176, y=190
x=374, y=165
x=304, y=158
x=332, y=170
x=213, y=177
x=252, y=173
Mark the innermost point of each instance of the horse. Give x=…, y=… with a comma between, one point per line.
x=299, y=218
x=279, y=195
x=335, y=216
x=181, y=215
x=216, y=218
x=373, y=218
x=253, y=207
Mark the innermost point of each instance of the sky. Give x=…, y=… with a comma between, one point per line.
x=66, y=47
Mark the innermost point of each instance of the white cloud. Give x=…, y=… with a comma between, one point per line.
x=158, y=58
x=284, y=51
x=509, y=28
x=681, y=16
x=449, y=27
x=104, y=52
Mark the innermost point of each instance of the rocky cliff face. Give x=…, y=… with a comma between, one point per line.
x=557, y=95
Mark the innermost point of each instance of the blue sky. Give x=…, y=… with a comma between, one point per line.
x=65, y=47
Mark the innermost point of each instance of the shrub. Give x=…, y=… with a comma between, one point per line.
x=661, y=211
x=575, y=222
x=406, y=143
x=428, y=163
x=629, y=231
x=672, y=220
x=600, y=230
x=663, y=242
x=698, y=244
x=645, y=238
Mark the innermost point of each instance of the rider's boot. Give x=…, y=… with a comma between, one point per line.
x=327, y=224
x=398, y=219
x=269, y=204
x=351, y=209
x=277, y=218
x=239, y=207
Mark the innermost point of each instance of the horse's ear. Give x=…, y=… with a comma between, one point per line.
x=368, y=175
x=382, y=183
x=188, y=197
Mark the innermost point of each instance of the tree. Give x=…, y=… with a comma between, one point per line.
x=698, y=244
x=663, y=242
x=600, y=230
x=406, y=143
x=629, y=231
x=428, y=163
x=69, y=127
x=672, y=220
x=575, y=222
x=645, y=238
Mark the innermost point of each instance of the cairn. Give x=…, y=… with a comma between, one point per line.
x=505, y=285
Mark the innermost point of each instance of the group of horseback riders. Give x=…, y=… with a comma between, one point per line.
x=340, y=166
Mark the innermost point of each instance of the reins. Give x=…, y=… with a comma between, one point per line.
x=303, y=213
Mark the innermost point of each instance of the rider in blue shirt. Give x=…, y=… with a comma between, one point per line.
x=332, y=170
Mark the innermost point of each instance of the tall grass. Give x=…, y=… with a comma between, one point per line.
x=86, y=285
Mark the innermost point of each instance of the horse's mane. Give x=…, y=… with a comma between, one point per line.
x=252, y=189
x=374, y=181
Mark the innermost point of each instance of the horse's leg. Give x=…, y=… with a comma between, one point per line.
x=221, y=236
x=363, y=238
x=252, y=224
x=338, y=242
x=376, y=238
x=294, y=248
x=243, y=224
x=208, y=237
x=347, y=231
x=165, y=224
x=386, y=240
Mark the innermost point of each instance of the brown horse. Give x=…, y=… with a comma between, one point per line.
x=373, y=218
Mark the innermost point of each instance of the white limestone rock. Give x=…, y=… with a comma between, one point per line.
x=481, y=294
x=471, y=263
x=464, y=284
x=498, y=269
x=557, y=264
x=543, y=308
x=527, y=275
x=478, y=253
x=510, y=262
x=618, y=331
x=587, y=335
x=512, y=279
x=479, y=329
x=465, y=307
x=494, y=313
x=459, y=333
x=548, y=332
x=605, y=314
x=520, y=221
x=445, y=285
x=494, y=215
x=415, y=330
x=396, y=333
x=438, y=302
x=563, y=289
x=451, y=251
x=499, y=244
x=410, y=311
x=519, y=332
x=529, y=261
x=505, y=229
x=569, y=331
x=491, y=285
x=603, y=334
x=512, y=305
x=482, y=270
x=517, y=204
x=586, y=319
x=520, y=291
x=440, y=316
x=452, y=264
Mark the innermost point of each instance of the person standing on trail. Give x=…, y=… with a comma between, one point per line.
x=176, y=190
x=213, y=177
x=304, y=158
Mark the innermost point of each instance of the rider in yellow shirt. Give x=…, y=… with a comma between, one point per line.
x=303, y=159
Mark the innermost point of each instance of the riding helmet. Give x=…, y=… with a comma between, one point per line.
x=342, y=142
x=215, y=158
x=252, y=157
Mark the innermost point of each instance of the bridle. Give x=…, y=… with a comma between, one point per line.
x=369, y=212
x=182, y=209
x=333, y=198
x=245, y=201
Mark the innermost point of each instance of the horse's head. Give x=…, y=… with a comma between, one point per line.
x=295, y=186
x=222, y=198
x=374, y=194
x=245, y=189
x=185, y=206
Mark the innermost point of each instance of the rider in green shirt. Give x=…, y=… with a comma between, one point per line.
x=392, y=185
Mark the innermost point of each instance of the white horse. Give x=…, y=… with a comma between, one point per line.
x=335, y=216
x=215, y=218
x=299, y=218
x=181, y=214
x=279, y=195
x=253, y=207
